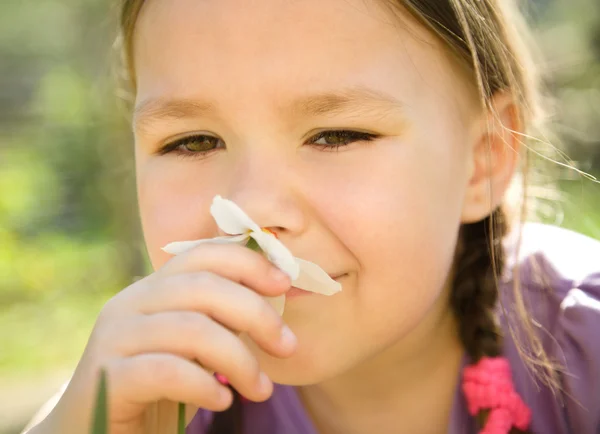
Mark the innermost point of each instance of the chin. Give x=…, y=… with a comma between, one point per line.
x=294, y=372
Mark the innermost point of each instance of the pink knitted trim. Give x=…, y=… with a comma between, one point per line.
x=225, y=382
x=488, y=385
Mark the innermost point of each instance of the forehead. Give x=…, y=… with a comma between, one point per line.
x=235, y=50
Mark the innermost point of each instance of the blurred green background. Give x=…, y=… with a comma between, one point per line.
x=69, y=230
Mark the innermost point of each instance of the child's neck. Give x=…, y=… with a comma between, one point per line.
x=407, y=389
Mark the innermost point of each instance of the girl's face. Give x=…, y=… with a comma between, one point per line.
x=260, y=82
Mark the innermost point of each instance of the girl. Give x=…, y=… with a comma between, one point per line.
x=379, y=140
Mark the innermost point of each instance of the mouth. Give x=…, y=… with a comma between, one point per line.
x=338, y=276
x=297, y=292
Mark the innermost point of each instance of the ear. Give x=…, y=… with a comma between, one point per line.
x=493, y=158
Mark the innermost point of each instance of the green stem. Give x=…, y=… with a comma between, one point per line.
x=253, y=245
x=181, y=419
x=100, y=421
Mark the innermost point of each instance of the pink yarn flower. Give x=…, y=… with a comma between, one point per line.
x=488, y=385
x=225, y=382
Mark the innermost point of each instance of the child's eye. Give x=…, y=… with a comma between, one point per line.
x=197, y=145
x=200, y=145
x=340, y=138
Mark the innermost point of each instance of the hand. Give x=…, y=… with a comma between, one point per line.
x=161, y=338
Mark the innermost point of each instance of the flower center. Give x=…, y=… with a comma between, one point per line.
x=269, y=231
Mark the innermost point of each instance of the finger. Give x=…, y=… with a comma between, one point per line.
x=233, y=262
x=197, y=337
x=229, y=303
x=134, y=382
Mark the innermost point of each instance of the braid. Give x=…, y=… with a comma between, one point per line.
x=474, y=292
x=479, y=260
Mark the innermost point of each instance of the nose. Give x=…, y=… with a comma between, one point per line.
x=265, y=188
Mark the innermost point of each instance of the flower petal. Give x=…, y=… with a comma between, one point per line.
x=277, y=253
x=230, y=217
x=313, y=278
x=278, y=303
x=177, y=247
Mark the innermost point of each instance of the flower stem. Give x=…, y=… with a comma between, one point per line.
x=253, y=245
x=181, y=419
x=100, y=421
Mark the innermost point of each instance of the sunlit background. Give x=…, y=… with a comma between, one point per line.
x=69, y=234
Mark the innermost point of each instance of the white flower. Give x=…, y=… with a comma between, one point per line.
x=232, y=220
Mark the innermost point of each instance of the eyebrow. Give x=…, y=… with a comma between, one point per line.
x=355, y=101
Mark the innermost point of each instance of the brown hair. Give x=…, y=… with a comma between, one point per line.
x=489, y=38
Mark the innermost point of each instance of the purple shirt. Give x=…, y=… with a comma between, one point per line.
x=560, y=282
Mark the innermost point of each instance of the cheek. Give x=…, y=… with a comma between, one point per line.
x=407, y=209
x=174, y=200
x=409, y=215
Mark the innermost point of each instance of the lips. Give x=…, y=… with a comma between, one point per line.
x=297, y=292
x=337, y=276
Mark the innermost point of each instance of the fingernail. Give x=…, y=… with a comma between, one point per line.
x=279, y=276
x=287, y=339
x=264, y=383
x=225, y=396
